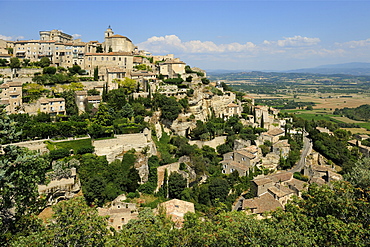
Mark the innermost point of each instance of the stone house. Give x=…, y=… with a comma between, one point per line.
x=112, y=73
x=241, y=160
x=324, y=130
x=261, y=185
x=272, y=135
x=232, y=110
x=176, y=209
x=80, y=97
x=119, y=212
x=122, y=60
x=11, y=95
x=280, y=187
x=229, y=166
x=144, y=78
x=362, y=137
x=53, y=106
x=281, y=193
x=365, y=150
x=321, y=173
x=281, y=147
x=261, y=204
x=171, y=68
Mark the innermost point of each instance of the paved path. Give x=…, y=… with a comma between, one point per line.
x=307, y=148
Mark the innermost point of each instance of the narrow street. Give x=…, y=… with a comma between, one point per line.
x=307, y=148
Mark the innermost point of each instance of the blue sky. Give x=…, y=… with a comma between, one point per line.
x=241, y=35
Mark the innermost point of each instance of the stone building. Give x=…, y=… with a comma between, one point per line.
x=241, y=160
x=11, y=96
x=119, y=212
x=176, y=209
x=55, y=35
x=272, y=135
x=121, y=60
x=281, y=147
x=171, y=68
x=116, y=43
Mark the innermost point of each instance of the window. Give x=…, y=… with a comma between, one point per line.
x=111, y=220
x=123, y=220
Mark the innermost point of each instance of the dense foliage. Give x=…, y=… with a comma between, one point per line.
x=361, y=113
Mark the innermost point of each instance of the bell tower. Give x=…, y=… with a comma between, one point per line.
x=108, y=33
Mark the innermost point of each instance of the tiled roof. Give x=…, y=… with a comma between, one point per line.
x=262, y=181
x=264, y=203
x=235, y=164
x=246, y=153
x=298, y=184
x=275, y=132
x=280, y=192
x=281, y=177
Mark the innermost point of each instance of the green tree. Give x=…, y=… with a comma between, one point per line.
x=71, y=106
x=44, y=62
x=49, y=70
x=99, y=49
x=26, y=62
x=73, y=224
x=176, y=185
x=3, y=62
x=218, y=189
x=129, y=85
x=20, y=172
x=14, y=63
x=96, y=73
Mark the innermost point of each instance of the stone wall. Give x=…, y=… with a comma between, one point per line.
x=114, y=148
x=212, y=143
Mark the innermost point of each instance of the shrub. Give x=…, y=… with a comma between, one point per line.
x=85, y=150
x=59, y=153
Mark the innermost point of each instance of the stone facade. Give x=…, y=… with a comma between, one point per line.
x=11, y=95
x=176, y=209
x=119, y=212
x=116, y=43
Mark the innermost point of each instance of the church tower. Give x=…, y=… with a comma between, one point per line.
x=109, y=32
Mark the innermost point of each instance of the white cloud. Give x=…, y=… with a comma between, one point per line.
x=172, y=43
x=288, y=52
x=295, y=41
x=76, y=36
x=3, y=37
x=354, y=43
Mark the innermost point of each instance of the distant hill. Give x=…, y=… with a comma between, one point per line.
x=346, y=68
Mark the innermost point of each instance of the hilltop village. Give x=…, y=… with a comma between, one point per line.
x=129, y=130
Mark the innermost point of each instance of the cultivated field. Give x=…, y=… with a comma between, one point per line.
x=335, y=101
